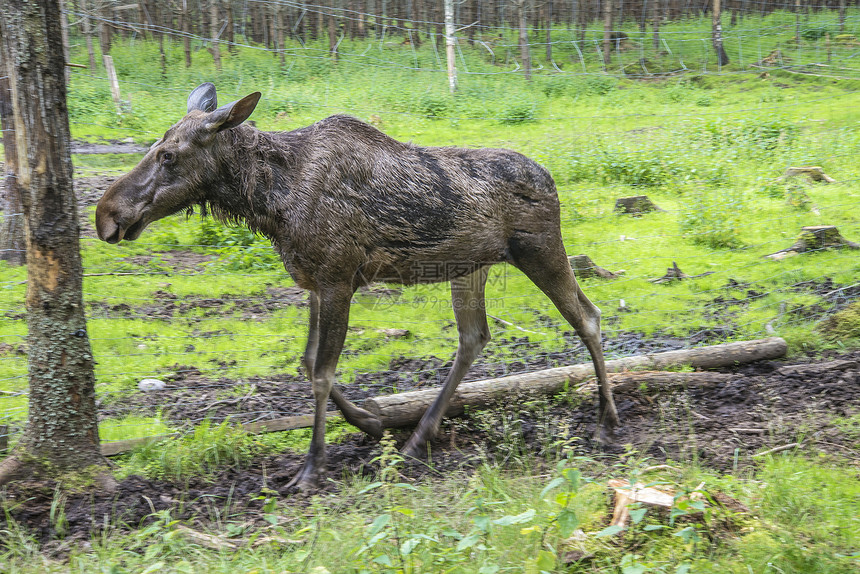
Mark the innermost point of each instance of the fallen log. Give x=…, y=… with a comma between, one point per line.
x=405, y=409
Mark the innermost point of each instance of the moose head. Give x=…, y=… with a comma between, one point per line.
x=175, y=172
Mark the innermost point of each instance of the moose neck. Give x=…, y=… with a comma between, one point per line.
x=252, y=179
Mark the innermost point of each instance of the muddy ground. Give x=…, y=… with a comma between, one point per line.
x=764, y=405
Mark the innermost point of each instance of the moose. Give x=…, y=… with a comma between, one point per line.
x=345, y=205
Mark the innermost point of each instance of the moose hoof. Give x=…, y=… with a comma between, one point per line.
x=306, y=481
x=367, y=423
x=415, y=448
x=604, y=435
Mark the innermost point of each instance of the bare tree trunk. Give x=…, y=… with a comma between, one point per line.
x=722, y=57
x=88, y=34
x=607, y=32
x=62, y=427
x=231, y=38
x=655, y=23
x=332, y=32
x=12, y=247
x=64, y=27
x=185, y=25
x=450, y=45
x=841, y=16
x=525, y=52
x=280, y=35
x=796, y=20
x=549, y=31
x=215, y=28
x=104, y=31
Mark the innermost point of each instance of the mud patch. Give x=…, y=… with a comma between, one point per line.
x=166, y=305
x=764, y=405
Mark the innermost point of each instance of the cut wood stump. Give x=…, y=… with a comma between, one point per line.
x=815, y=238
x=405, y=409
x=635, y=205
x=674, y=273
x=585, y=268
x=813, y=173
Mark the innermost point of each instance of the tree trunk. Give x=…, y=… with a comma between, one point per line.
x=841, y=16
x=104, y=31
x=12, y=247
x=655, y=23
x=407, y=408
x=62, y=427
x=332, y=32
x=215, y=27
x=607, y=32
x=449, y=45
x=722, y=57
x=525, y=52
x=88, y=35
x=231, y=39
x=549, y=31
x=185, y=25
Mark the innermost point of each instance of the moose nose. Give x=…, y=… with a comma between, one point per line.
x=107, y=228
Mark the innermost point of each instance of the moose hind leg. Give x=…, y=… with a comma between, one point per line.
x=546, y=264
x=467, y=297
x=333, y=321
x=354, y=415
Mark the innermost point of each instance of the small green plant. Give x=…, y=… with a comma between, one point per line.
x=713, y=218
x=518, y=113
x=433, y=105
x=240, y=249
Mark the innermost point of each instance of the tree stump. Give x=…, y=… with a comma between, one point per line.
x=635, y=205
x=815, y=238
x=813, y=173
x=674, y=273
x=585, y=268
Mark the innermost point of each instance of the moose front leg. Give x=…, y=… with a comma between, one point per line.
x=332, y=321
x=354, y=415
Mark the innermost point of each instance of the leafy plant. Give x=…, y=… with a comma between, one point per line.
x=713, y=218
x=518, y=113
x=239, y=247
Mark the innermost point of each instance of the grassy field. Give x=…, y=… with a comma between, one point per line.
x=707, y=145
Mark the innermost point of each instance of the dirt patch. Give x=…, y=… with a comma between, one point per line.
x=191, y=396
x=166, y=305
x=764, y=405
x=107, y=146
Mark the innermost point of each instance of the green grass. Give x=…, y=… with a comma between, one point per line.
x=802, y=518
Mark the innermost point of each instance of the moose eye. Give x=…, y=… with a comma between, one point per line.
x=167, y=157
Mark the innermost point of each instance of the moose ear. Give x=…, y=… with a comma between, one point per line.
x=233, y=114
x=203, y=98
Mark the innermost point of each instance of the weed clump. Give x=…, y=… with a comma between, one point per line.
x=713, y=219
x=842, y=326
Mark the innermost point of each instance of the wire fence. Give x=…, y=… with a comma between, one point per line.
x=225, y=334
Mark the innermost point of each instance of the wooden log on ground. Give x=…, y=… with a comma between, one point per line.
x=405, y=409
x=635, y=205
x=815, y=238
x=585, y=268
